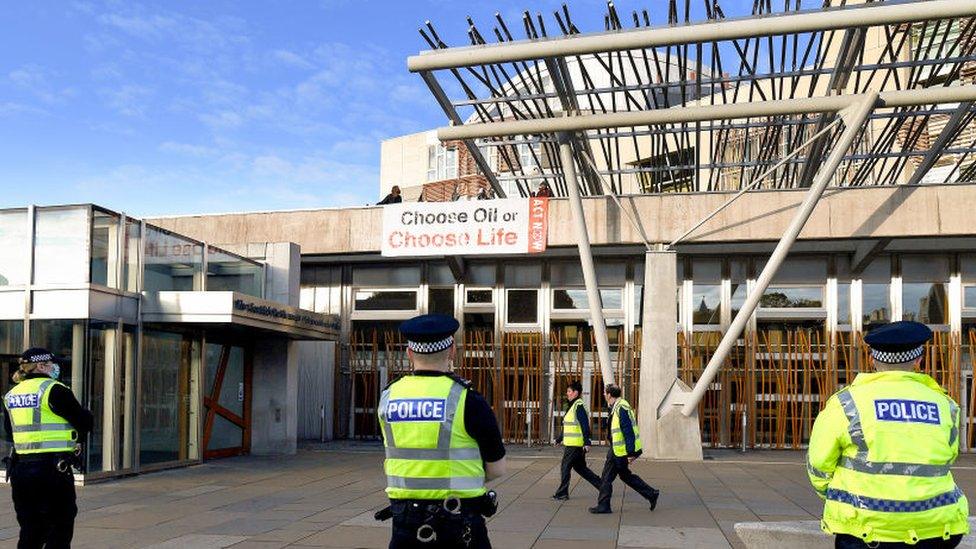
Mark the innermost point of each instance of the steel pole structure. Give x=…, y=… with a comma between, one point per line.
x=732, y=111
x=752, y=27
x=586, y=256
x=854, y=118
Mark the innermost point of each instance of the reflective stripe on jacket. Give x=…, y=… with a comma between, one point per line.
x=879, y=455
x=36, y=428
x=616, y=434
x=572, y=430
x=429, y=453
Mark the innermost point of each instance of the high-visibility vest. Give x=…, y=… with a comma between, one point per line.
x=616, y=435
x=572, y=430
x=37, y=429
x=879, y=456
x=429, y=453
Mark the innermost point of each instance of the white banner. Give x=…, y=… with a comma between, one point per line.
x=475, y=227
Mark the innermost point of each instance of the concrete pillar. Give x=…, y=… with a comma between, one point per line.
x=274, y=398
x=284, y=261
x=666, y=433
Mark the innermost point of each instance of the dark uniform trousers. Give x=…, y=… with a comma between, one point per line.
x=574, y=459
x=466, y=530
x=844, y=541
x=44, y=500
x=618, y=466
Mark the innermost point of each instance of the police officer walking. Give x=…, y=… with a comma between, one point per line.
x=881, y=449
x=625, y=448
x=576, y=440
x=46, y=422
x=442, y=443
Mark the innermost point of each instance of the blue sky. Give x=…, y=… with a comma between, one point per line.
x=176, y=107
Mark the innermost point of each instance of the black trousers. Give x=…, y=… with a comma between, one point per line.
x=844, y=541
x=44, y=500
x=467, y=530
x=618, y=466
x=574, y=459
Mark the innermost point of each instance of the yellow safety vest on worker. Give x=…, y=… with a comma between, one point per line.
x=616, y=435
x=572, y=430
x=37, y=429
x=429, y=453
x=879, y=455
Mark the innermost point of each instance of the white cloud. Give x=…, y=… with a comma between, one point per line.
x=187, y=149
x=291, y=59
x=128, y=100
x=37, y=81
x=9, y=108
x=222, y=120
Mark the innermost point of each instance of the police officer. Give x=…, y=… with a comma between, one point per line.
x=625, y=448
x=576, y=440
x=442, y=443
x=881, y=449
x=45, y=422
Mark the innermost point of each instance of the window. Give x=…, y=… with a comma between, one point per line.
x=61, y=246
x=843, y=303
x=386, y=300
x=478, y=297
x=523, y=307
x=104, y=249
x=969, y=296
x=669, y=172
x=172, y=262
x=442, y=163
x=924, y=289
x=575, y=299
x=706, y=302
x=230, y=273
x=876, y=293
x=791, y=298
x=13, y=247
x=441, y=301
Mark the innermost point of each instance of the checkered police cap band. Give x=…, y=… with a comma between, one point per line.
x=900, y=357
x=430, y=347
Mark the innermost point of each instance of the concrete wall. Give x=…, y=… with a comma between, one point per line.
x=316, y=379
x=274, y=397
x=867, y=212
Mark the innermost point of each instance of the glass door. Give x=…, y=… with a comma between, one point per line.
x=227, y=400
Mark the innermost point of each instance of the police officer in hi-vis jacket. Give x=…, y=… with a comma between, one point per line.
x=442, y=444
x=45, y=423
x=576, y=440
x=625, y=447
x=881, y=449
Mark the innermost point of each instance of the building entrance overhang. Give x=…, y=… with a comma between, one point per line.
x=233, y=309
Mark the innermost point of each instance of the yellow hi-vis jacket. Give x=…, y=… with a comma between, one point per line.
x=572, y=430
x=37, y=429
x=879, y=456
x=429, y=453
x=621, y=406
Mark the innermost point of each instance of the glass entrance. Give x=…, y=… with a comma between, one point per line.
x=227, y=399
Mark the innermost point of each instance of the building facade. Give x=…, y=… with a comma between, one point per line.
x=526, y=330
x=182, y=351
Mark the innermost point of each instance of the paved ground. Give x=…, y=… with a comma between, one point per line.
x=325, y=498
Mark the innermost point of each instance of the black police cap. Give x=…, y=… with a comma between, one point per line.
x=898, y=342
x=429, y=334
x=35, y=355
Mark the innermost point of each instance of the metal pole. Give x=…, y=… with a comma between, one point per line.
x=854, y=122
x=731, y=111
x=752, y=27
x=586, y=256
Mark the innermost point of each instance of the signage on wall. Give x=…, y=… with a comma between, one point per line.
x=477, y=227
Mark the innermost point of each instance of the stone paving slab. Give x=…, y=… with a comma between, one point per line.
x=326, y=498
